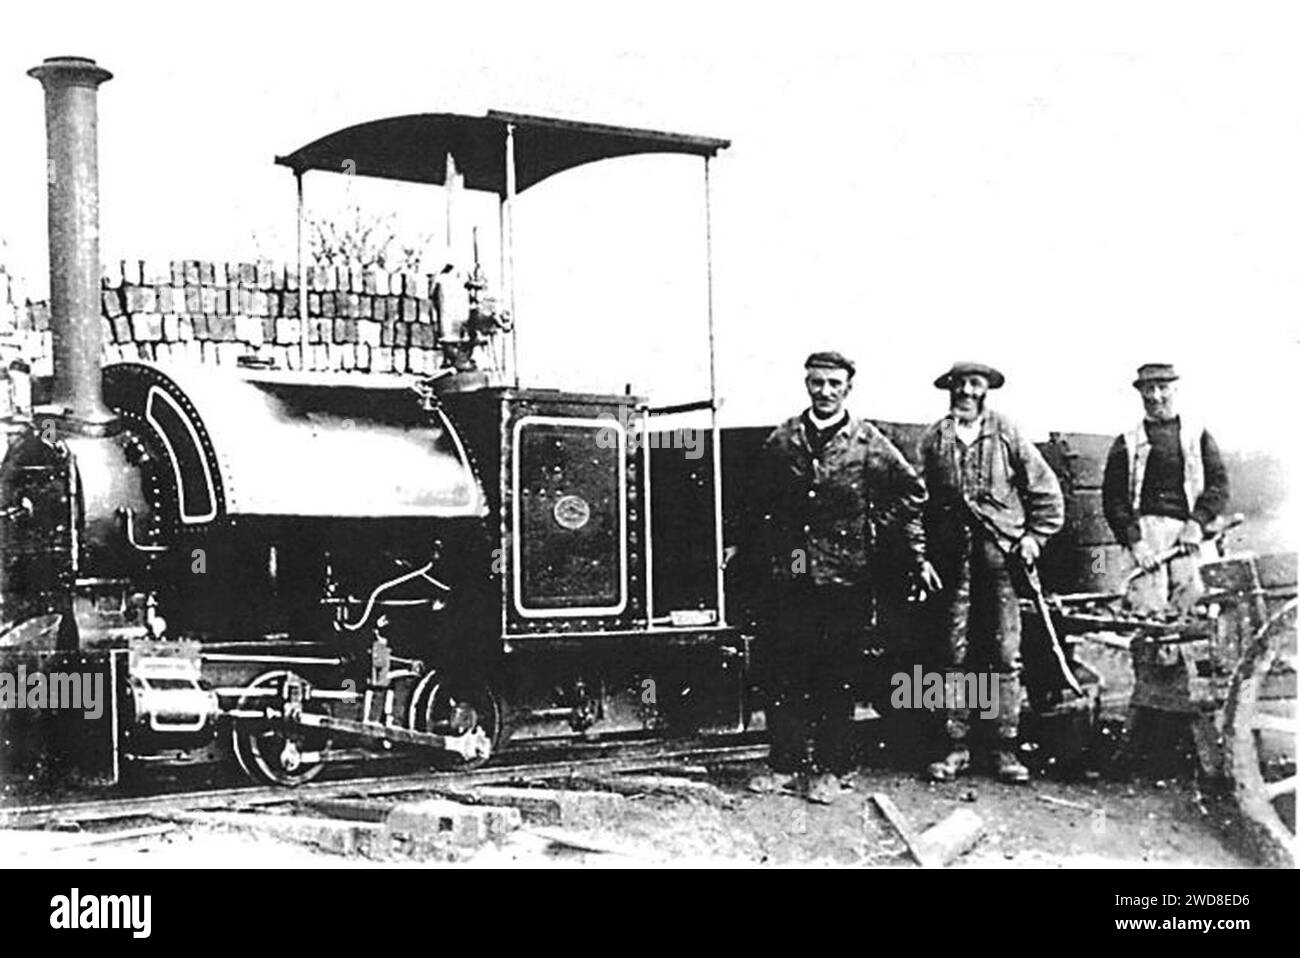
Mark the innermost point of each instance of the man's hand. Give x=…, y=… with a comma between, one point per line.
x=925, y=582
x=1028, y=549
x=928, y=577
x=1190, y=539
x=1145, y=556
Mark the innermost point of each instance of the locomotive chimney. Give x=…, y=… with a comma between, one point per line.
x=72, y=171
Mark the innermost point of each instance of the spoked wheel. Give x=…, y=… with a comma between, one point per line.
x=1260, y=728
x=447, y=705
x=272, y=750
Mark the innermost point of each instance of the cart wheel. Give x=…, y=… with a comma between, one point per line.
x=1260, y=727
x=273, y=751
x=447, y=705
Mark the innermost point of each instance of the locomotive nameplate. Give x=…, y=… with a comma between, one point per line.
x=572, y=512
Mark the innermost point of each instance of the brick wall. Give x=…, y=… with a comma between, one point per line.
x=24, y=327
x=364, y=321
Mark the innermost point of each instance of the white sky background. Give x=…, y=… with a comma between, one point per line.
x=1064, y=191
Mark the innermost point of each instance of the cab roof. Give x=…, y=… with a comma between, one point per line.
x=413, y=147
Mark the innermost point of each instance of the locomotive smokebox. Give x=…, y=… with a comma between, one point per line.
x=71, y=118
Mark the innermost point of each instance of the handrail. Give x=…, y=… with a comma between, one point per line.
x=695, y=406
x=128, y=515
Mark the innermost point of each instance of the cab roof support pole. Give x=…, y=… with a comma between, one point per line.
x=508, y=209
x=715, y=432
x=499, y=347
x=302, y=275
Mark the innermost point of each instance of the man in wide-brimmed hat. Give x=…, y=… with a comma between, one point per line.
x=1164, y=484
x=825, y=485
x=994, y=502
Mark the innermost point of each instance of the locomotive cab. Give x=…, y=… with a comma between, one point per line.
x=602, y=608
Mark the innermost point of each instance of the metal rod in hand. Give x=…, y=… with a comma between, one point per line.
x=1040, y=603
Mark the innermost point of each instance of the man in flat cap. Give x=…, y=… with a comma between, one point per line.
x=994, y=502
x=825, y=486
x=1164, y=484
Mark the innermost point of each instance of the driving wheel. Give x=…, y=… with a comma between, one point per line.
x=275, y=750
x=445, y=704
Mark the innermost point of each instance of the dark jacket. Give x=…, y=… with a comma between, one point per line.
x=1004, y=482
x=818, y=519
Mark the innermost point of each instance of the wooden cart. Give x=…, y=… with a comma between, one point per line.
x=1232, y=673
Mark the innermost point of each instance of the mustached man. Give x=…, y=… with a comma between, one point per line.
x=994, y=502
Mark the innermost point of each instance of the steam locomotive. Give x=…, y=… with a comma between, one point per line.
x=308, y=568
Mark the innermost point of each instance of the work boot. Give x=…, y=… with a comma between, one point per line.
x=823, y=789
x=957, y=761
x=772, y=783
x=1009, y=768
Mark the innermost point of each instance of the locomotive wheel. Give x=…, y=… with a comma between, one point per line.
x=272, y=751
x=448, y=705
x=1259, y=727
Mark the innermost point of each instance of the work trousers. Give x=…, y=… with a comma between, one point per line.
x=1176, y=583
x=981, y=615
x=810, y=652
x=1160, y=671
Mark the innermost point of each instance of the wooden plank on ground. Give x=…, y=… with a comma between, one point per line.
x=328, y=834
x=660, y=785
x=43, y=843
x=953, y=837
x=549, y=806
x=349, y=809
x=911, y=839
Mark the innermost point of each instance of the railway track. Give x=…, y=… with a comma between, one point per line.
x=579, y=761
